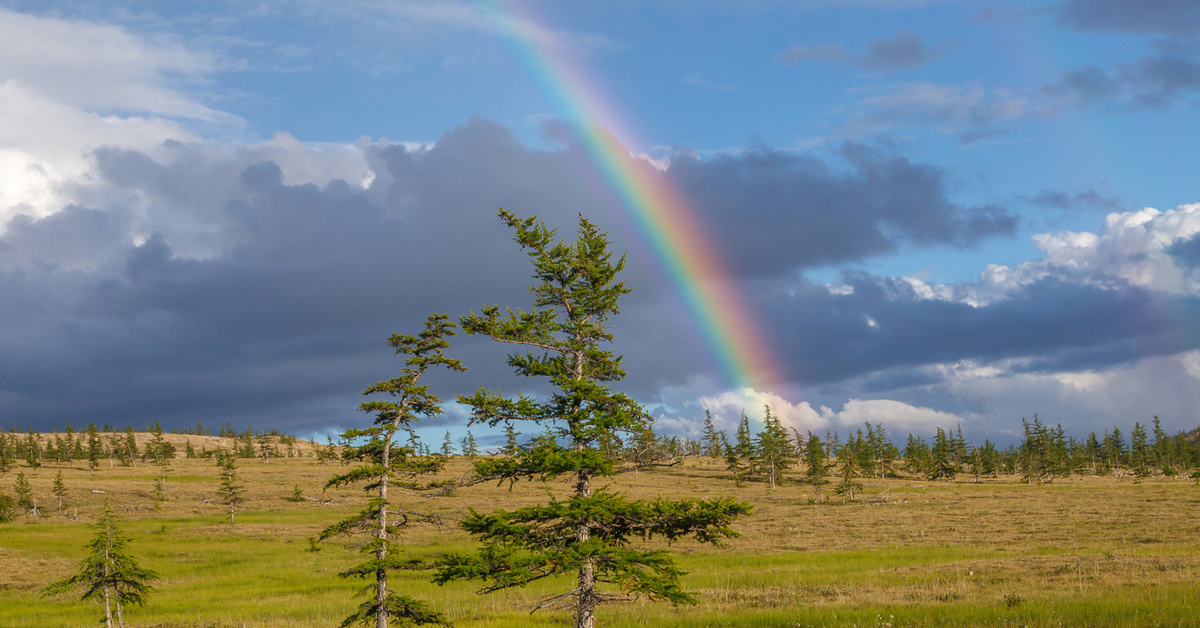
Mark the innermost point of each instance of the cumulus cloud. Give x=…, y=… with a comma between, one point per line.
x=728, y=407
x=894, y=415
x=67, y=87
x=1094, y=301
x=241, y=266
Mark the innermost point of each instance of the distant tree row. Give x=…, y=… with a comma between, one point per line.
x=121, y=448
x=1043, y=453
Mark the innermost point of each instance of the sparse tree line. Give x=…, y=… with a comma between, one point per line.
x=114, y=447
x=1043, y=454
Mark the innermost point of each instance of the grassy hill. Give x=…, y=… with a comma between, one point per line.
x=1081, y=551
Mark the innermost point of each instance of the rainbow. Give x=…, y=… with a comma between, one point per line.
x=662, y=215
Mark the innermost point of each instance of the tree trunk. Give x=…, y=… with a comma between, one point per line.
x=107, y=610
x=585, y=611
x=381, y=553
x=120, y=618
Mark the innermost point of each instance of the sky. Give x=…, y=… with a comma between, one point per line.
x=918, y=213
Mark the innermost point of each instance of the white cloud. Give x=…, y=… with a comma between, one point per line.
x=315, y=163
x=99, y=67
x=1130, y=247
x=1082, y=400
x=894, y=415
x=728, y=406
x=69, y=87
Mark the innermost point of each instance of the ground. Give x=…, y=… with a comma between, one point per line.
x=1082, y=551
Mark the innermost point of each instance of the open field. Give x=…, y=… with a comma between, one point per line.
x=1090, y=551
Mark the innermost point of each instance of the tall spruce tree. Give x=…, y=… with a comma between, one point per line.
x=382, y=462
x=108, y=572
x=588, y=534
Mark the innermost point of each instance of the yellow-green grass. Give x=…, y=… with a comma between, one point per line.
x=1079, y=552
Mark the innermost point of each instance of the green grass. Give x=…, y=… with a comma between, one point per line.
x=1079, y=552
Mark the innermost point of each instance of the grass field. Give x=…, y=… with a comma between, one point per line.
x=1090, y=551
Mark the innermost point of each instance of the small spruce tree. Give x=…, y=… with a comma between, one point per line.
x=60, y=491
x=108, y=572
x=24, y=492
x=229, y=492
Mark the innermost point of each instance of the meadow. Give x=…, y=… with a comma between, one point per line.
x=1079, y=551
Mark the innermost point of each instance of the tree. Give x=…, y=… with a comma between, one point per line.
x=849, y=470
x=773, y=451
x=1139, y=452
x=511, y=447
x=60, y=491
x=739, y=457
x=814, y=459
x=95, y=449
x=108, y=572
x=588, y=534
x=7, y=508
x=943, y=460
x=382, y=462
x=470, y=448
x=230, y=492
x=713, y=439
x=24, y=492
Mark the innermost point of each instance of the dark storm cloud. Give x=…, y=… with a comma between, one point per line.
x=1050, y=325
x=1171, y=17
x=778, y=212
x=204, y=285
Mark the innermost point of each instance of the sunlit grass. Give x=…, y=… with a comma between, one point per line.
x=1078, y=552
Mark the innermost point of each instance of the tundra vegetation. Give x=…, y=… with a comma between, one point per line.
x=1097, y=546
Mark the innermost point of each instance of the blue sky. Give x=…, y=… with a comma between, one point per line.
x=936, y=210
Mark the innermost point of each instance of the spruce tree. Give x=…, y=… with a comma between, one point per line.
x=108, y=573
x=739, y=457
x=229, y=492
x=8, y=508
x=60, y=491
x=714, y=440
x=814, y=459
x=95, y=448
x=774, y=452
x=470, y=448
x=24, y=493
x=382, y=462
x=943, y=456
x=588, y=534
